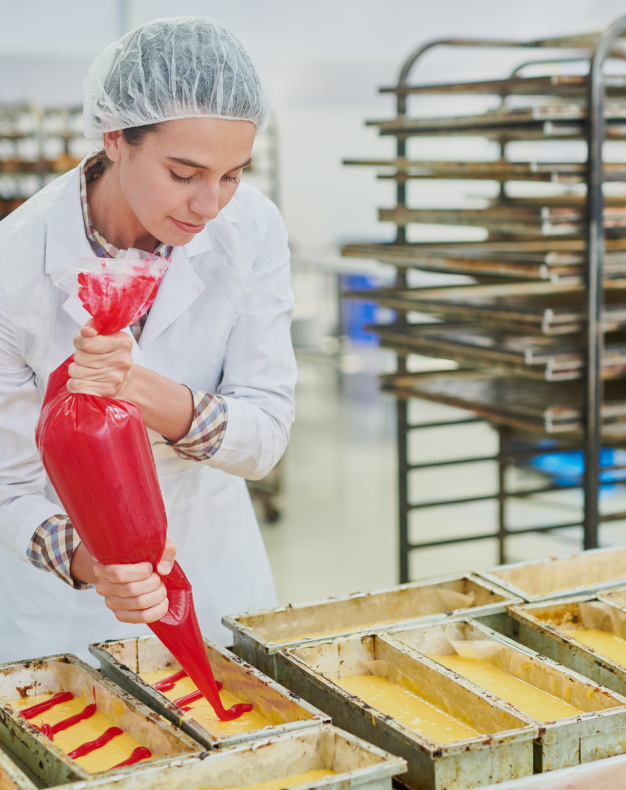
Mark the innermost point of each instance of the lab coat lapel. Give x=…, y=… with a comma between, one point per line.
x=65, y=237
x=179, y=288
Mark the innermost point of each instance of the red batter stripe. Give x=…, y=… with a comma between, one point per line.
x=42, y=707
x=86, y=713
x=91, y=746
x=140, y=753
x=189, y=698
x=167, y=684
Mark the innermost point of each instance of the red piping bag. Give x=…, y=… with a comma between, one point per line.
x=98, y=457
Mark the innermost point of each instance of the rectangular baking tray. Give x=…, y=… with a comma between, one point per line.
x=543, y=357
x=542, y=308
x=124, y=659
x=538, y=628
x=356, y=763
x=504, y=751
x=602, y=775
x=598, y=731
x=558, y=577
x=57, y=673
x=11, y=776
x=561, y=261
x=258, y=636
x=525, y=404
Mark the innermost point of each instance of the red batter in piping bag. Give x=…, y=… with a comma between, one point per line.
x=98, y=457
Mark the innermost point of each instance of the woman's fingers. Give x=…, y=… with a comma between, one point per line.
x=135, y=593
x=139, y=603
x=167, y=559
x=124, y=574
x=102, y=363
x=103, y=344
x=113, y=359
x=141, y=615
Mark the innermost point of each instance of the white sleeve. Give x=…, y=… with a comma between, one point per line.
x=23, y=505
x=259, y=377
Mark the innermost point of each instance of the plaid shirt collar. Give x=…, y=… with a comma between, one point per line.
x=92, y=169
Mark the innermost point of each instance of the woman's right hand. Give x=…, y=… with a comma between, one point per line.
x=134, y=593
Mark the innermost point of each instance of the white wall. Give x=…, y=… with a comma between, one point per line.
x=323, y=61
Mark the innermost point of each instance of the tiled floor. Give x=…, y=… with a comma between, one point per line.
x=337, y=533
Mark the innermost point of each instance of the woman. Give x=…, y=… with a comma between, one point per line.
x=177, y=104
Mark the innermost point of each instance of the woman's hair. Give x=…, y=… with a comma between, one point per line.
x=189, y=67
x=134, y=136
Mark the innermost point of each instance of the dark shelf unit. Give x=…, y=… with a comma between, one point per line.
x=573, y=243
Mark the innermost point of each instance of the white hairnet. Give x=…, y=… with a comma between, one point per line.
x=186, y=67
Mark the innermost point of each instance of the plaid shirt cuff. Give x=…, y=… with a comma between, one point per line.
x=52, y=547
x=208, y=426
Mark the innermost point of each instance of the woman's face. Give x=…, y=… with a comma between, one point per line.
x=182, y=175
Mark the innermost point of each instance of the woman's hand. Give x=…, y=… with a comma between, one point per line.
x=134, y=593
x=102, y=363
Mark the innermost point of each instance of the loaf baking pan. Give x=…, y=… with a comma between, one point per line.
x=355, y=763
x=11, y=776
x=258, y=636
x=503, y=750
x=53, y=674
x=541, y=625
x=123, y=660
x=558, y=577
x=598, y=729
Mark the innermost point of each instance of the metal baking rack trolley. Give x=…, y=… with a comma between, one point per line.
x=538, y=333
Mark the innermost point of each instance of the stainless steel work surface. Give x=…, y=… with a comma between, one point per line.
x=355, y=763
x=502, y=749
x=53, y=674
x=259, y=635
x=124, y=660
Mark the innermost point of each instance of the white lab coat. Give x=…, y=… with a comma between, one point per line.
x=220, y=323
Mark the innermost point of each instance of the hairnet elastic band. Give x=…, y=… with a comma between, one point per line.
x=180, y=117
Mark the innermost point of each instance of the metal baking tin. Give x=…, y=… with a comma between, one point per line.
x=534, y=629
x=549, y=358
x=122, y=661
x=598, y=731
x=504, y=752
x=356, y=763
x=604, y=775
x=40, y=755
x=256, y=633
x=11, y=777
x=614, y=597
x=559, y=577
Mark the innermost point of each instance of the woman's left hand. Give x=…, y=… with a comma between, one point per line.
x=102, y=363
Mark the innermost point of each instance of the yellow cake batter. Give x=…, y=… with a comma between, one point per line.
x=409, y=709
x=604, y=642
x=202, y=712
x=536, y=703
x=286, y=781
x=113, y=753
